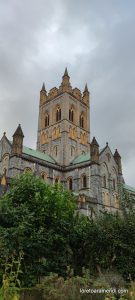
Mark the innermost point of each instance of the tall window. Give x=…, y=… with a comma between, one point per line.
x=70, y=183
x=58, y=114
x=5, y=171
x=84, y=181
x=72, y=150
x=71, y=115
x=44, y=176
x=47, y=120
x=56, y=180
x=81, y=121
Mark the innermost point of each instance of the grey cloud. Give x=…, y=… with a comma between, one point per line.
x=95, y=40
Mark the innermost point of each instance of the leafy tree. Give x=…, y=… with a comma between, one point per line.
x=127, y=201
x=106, y=243
x=37, y=219
x=42, y=221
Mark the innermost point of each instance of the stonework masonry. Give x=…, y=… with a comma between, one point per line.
x=65, y=154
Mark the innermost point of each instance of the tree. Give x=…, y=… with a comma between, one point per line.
x=42, y=221
x=105, y=244
x=37, y=219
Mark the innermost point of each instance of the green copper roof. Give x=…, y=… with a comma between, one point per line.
x=81, y=158
x=38, y=154
x=129, y=188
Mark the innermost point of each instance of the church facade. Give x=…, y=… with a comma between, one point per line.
x=65, y=152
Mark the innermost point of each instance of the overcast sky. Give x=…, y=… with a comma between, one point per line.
x=95, y=39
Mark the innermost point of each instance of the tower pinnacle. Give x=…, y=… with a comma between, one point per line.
x=43, y=87
x=94, y=151
x=18, y=132
x=66, y=72
x=17, y=144
x=86, y=88
x=65, y=84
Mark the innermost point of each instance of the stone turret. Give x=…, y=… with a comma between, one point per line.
x=85, y=97
x=17, y=144
x=65, y=85
x=43, y=95
x=94, y=151
x=117, y=158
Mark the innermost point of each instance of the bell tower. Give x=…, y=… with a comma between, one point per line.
x=63, y=125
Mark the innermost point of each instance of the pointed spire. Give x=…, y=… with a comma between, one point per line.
x=43, y=95
x=86, y=88
x=66, y=72
x=17, y=144
x=94, y=142
x=94, y=151
x=86, y=93
x=43, y=87
x=65, y=84
x=116, y=154
x=18, y=132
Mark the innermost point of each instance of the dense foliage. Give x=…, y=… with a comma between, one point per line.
x=37, y=219
x=41, y=223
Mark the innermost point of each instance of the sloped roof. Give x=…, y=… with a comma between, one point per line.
x=129, y=188
x=38, y=154
x=94, y=142
x=19, y=131
x=81, y=158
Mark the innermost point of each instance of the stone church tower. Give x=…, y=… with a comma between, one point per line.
x=63, y=126
x=64, y=153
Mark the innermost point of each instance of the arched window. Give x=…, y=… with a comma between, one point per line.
x=46, y=120
x=71, y=115
x=4, y=171
x=58, y=114
x=72, y=150
x=70, y=183
x=44, y=176
x=56, y=151
x=81, y=121
x=57, y=180
x=104, y=181
x=5, y=162
x=84, y=181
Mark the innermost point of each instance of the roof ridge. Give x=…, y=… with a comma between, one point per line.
x=40, y=155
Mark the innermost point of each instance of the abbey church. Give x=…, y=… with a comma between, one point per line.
x=66, y=152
